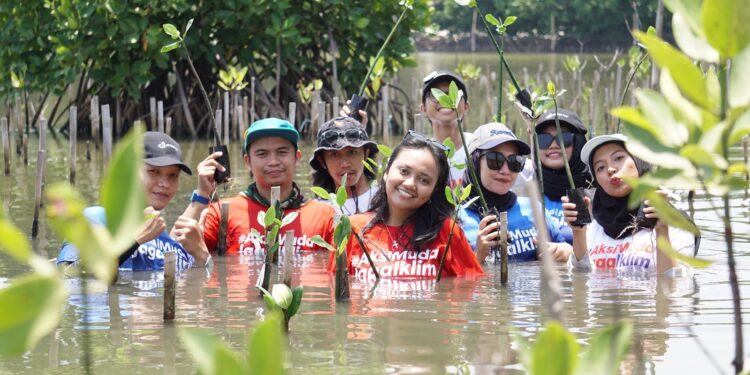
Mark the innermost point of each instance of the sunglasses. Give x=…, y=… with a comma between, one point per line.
x=415, y=135
x=546, y=139
x=495, y=161
x=332, y=136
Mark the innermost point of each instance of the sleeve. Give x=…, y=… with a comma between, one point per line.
x=69, y=253
x=211, y=226
x=555, y=235
x=682, y=241
x=470, y=227
x=461, y=260
x=582, y=264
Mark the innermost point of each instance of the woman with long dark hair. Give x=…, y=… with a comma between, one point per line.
x=619, y=238
x=410, y=227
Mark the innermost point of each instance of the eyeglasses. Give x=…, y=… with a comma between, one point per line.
x=415, y=135
x=495, y=161
x=331, y=137
x=545, y=139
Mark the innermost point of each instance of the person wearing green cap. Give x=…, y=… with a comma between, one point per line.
x=271, y=156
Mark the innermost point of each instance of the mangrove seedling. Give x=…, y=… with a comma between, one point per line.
x=456, y=197
x=358, y=101
x=283, y=299
x=272, y=220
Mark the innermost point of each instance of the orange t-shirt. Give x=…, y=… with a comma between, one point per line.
x=402, y=262
x=313, y=218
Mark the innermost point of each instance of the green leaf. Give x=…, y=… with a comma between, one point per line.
x=509, y=20
x=701, y=157
x=270, y=303
x=688, y=9
x=643, y=142
x=319, y=191
x=671, y=215
x=169, y=47
x=12, y=241
x=32, y=306
x=726, y=25
x=692, y=44
x=171, y=30
x=296, y=301
x=341, y=193
x=342, y=231
x=261, y=218
x=465, y=193
x=122, y=193
x=448, y=142
x=443, y=99
x=385, y=150
x=267, y=347
x=449, y=195
x=656, y=110
x=666, y=247
x=15, y=82
x=606, y=350
x=551, y=88
x=741, y=128
x=187, y=27
x=362, y=23
x=686, y=75
x=555, y=351
x=453, y=93
x=492, y=20
x=210, y=353
x=318, y=240
x=289, y=218
x=688, y=113
x=270, y=216
x=739, y=76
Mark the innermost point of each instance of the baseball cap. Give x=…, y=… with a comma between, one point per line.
x=565, y=116
x=338, y=133
x=490, y=135
x=588, y=149
x=162, y=150
x=271, y=127
x=438, y=76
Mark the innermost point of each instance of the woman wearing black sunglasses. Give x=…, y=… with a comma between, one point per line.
x=498, y=157
x=553, y=165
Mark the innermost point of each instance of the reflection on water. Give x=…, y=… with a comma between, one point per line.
x=681, y=325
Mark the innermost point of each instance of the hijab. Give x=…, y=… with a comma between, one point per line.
x=502, y=202
x=556, y=180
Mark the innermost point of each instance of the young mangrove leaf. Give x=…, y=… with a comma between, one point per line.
x=492, y=20
x=670, y=214
x=554, y=352
x=270, y=217
x=470, y=202
x=320, y=192
x=509, y=20
x=187, y=27
x=171, y=30
x=169, y=47
x=266, y=346
x=449, y=195
x=282, y=295
x=606, y=350
x=203, y=348
x=318, y=240
x=385, y=150
x=296, y=301
x=666, y=247
x=448, y=142
x=443, y=99
x=341, y=193
x=262, y=218
x=12, y=241
x=739, y=92
x=465, y=193
x=289, y=218
x=732, y=33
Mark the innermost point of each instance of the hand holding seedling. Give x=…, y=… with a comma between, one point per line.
x=153, y=227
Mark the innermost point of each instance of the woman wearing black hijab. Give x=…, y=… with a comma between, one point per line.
x=616, y=239
x=553, y=165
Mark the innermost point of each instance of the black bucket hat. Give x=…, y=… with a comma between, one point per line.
x=339, y=133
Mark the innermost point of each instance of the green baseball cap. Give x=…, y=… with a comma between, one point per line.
x=271, y=127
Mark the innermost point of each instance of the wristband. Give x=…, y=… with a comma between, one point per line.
x=199, y=198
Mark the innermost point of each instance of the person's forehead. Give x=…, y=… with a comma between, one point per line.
x=171, y=167
x=270, y=143
x=606, y=150
x=418, y=159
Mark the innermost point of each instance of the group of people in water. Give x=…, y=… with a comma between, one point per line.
x=403, y=219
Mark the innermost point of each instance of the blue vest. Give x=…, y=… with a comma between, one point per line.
x=521, y=231
x=148, y=257
x=556, y=217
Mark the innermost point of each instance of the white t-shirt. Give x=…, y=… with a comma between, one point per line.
x=634, y=254
x=362, y=201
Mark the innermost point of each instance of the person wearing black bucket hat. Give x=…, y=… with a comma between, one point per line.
x=553, y=165
x=620, y=238
x=161, y=171
x=443, y=120
x=342, y=150
x=498, y=158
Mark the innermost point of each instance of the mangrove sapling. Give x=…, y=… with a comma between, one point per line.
x=688, y=127
x=358, y=101
x=171, y=30
x=272, y=220
x=456, y=197
x=283, y=299
x=501, y=26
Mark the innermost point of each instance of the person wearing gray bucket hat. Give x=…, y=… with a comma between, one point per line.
x=162, y=164
x=498, y=158
x=343, y=148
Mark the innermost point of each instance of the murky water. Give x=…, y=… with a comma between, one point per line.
x=681, y=326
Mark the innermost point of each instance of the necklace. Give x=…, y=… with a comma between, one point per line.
x=394, y=243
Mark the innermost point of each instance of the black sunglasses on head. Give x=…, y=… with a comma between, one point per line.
x=546, y=139
x=331, y=136
x=495, y=161
x=415, y=135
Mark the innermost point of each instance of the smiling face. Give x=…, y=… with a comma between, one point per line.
x=272, y=160
x=349, y=161
x=410, y=181
x=498, y=181
x=160, y=184
x=437, y=114
x=610, y=163
x=552, y=157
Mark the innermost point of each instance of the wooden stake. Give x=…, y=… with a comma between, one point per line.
x=221, y=245
x=170, y=268
x=293, y=114
x=152, y=112
x=106, y=133
x=418, y=118
x=218, y=123
x=245, y=117
x=386, y=114
x=226, y=118
x=95, y=121
x=160, y=116
x=6, y=143
x=25, y=148
x=504, y=247
x=19, y=128
x=73, y=138
x=336, y=107
x=168, y=126
x=88, y=150
x=40, y=161
x=252, y=101
x=288, y=255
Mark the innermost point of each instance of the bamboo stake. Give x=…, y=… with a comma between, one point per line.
x=40, y=161
x=293, y=114
x=241, y=118
x=336, y=106
x=386, y=114
x=25, y=148
x=226, y=117
x=218, y=118
x=95, y=121
x=504, y=246
x=221, y=245
x=288, y=254
x=418, y=118
x=152, y=112
x=6, y=143
x=19, y=127
x=88, y=150
x=169, y=285
x=168, y=126
x=160, y=116
x=73, y=137
x=252, y=101
x=106, y=133
x=245, y=117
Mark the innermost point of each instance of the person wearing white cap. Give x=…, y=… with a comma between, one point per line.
x=162, y=165
x=498, y=157
x=619, y=238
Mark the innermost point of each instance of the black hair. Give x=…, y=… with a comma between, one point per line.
x=323, y=179
x=427, y=219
